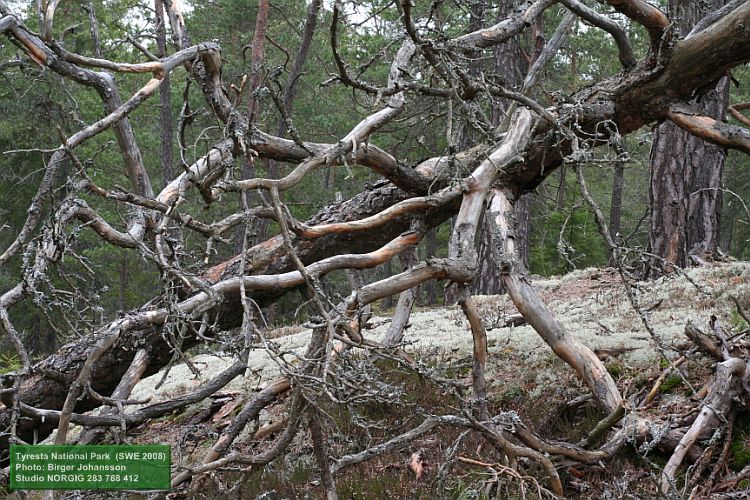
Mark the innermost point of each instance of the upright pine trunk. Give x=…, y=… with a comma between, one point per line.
x=512, y=63
x=165, y=99
x=686, y=172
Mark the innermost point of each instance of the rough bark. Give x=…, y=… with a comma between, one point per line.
x=48, y=386
x=511, y=63
x=686, y=172
x=165, y=99
x=257, y=62
x=629, y=100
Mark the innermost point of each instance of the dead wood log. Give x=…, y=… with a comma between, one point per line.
x=704, y=342
x=589, y=367
x=643, y=95
x=729, y=385
x=47, y=386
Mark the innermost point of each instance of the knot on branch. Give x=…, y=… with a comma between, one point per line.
x=460, y=270
x=507, y=262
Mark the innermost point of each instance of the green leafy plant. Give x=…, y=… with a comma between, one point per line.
x=9, y=362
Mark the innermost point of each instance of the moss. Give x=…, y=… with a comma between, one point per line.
x=737, y=321
x=615, y=369
x=671, y=383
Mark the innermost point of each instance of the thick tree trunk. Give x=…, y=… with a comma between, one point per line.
x=686, y=172
x=165, y=99
x=48, y=385
x=511, y=63
x=258, y=56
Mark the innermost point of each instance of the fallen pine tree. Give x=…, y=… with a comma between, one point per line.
x=369, y=229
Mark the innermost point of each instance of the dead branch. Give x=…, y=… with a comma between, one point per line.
x=513, y=450
x=603, y=426
x=479, y=335
x=514, y=475
x=726, y=135
x=704, y=342
x=735, y=111
x=660, y=380
x=45, y=416
x=365, y=231
x=524, y=15
x=578, y=356
x=645, y=14
x=395, y=332
x=729, y=384
x=321, y=455
x=627, y=58
x=249, y=412
x=131, y=377
x=741, y=310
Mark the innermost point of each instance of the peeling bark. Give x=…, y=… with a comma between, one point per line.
x=387, y=219
x=579, y=357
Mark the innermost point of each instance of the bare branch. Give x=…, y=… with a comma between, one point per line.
x=710, y=129
x=627, y=58
x=645, y=14
x=735, y=111
x=524, y=16
x=580, y=357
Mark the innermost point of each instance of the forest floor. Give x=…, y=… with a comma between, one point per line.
x=522, y=374
x=591, y=303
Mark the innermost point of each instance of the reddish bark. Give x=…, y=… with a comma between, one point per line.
x=686, y=172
